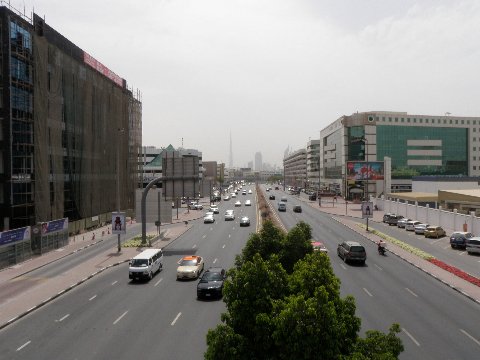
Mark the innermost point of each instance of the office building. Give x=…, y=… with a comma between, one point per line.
x=258, y=161
x=295, y=168
x=313, y=163
x=384, y=150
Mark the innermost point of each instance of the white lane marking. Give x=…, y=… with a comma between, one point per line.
x=411, y=292
x=234, y=228
x=176, y=318
x=63, y=318
x=214, y=261
x=204, y=236
x=446, y=247
x=368, y=292
x=114, y=282
x=462, y=253
x=378, y=267
x=120, y=317
x=194, y=246
x=158, y=282
x=343, y=266
x=434, y=242
x=93, y=297
x=411, y=337
x=223, y=247
x=470, y=336
x=21, y=347
x=229, y=235
x=211, y=228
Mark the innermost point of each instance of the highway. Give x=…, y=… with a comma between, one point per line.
x=111, y=317
x=437, y=322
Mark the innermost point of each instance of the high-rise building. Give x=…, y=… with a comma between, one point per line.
x=70, y=130
x=258, y=161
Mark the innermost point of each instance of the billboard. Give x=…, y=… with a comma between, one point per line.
x=365, y=170
x=367, y=210
x=118, y=223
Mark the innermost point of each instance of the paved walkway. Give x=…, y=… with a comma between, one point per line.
x=350, y=215
x=21, y=293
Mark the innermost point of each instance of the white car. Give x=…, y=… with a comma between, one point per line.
x=214, y=209
x=238, y=203
x=249, y=191
x=402, y=222
x=420, y=228
x=248, y=203
x=226, y=198
x=233, y=195
x=208, y=218
x=190, y=267
x=410, y=225
x=229, y=215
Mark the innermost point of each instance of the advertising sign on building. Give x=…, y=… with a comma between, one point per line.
x=12, y=236
x=363, y=170
x=118, y=223
x=55, y=225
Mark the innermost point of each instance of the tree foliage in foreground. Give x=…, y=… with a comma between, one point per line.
x=283, y=302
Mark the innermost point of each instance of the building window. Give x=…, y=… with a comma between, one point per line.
x=444, y=121
x=420, y=121
x=451, y=122
x=468, y=122
x=408, y=120
x=389, y=119
x=474, y=168
x=414, y=120
x=474, y=148
x=474, y=122
x=426, y=121
x=474, y=129
x=402, y=120
x=396, y=119
x=463, y=122
x=456, y=122
x=475, y=158
x=474, y=139
x=383, y=118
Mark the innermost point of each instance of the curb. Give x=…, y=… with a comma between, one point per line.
x=415, y=265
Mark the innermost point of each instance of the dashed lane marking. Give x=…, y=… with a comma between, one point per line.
x=158, y=282
x=93, y=297
x=411, y=337
x=343, y=266
x=114, y=282
x=368, y=292
x=223, y=247
x=214, y=261
x=204, y=236
x=63, y=318
x=378, y=267
x=120, y=317
x=194, y=246
x=411, y=292
x=470, y=337
x=176, y=318
x=21, y=347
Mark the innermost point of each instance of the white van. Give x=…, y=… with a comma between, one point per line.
x=146, y=264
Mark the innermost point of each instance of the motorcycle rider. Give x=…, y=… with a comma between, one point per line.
x=381, y=246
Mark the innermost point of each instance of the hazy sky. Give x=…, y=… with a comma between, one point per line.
x=273, y=73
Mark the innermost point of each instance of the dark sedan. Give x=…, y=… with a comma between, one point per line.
x=211, y=283
x=297, y=209
x=272, y=197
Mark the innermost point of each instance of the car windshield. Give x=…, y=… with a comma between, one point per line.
x=139, y=262
x=211, y=276
x=188, y=262
x=357, y=249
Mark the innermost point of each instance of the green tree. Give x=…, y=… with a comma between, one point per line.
x=296, y=245
x=266, y=243
x=275, y=315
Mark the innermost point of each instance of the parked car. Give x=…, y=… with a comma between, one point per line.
x=473, y=245
x=434, y=231
x=420, y=228
x=312, y=197
x=211, y=283
x=410, y=225
x=245, y=221
x=386, y=217
x=297, y=209
x=402, y=222
x=352, y=251
x=458, y=239
x=393, y=219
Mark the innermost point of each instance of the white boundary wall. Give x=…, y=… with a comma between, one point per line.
x=449, y=220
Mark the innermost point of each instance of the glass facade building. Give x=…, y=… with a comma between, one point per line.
x=412, y=144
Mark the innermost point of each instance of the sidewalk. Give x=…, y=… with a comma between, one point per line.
x=22, y=293
x=350, y=215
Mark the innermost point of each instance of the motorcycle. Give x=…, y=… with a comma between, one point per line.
x=381, y=250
